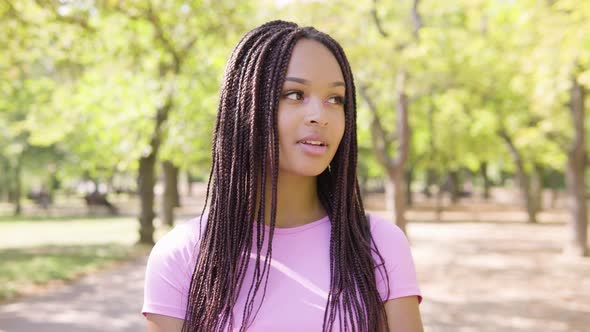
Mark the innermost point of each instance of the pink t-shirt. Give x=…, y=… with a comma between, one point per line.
x=299, y=279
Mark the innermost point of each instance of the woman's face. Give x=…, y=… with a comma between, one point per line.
x=311, y=111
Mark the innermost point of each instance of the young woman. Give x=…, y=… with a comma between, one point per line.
x=284, y=244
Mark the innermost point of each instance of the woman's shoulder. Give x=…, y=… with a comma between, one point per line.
x=383, y=229
x=389, y=239
x=169, y=270
x=394, y=248
x=180, y=244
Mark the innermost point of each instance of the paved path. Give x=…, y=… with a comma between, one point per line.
x=107, y=301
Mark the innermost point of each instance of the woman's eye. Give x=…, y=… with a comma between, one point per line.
x=294, y=95
x=336, y=100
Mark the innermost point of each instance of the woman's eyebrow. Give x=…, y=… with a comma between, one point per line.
x=306, y=82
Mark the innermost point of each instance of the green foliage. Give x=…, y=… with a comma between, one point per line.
x=478, y=67
x=89, y=79
x=84, y=79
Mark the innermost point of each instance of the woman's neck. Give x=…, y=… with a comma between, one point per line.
x=297, y=201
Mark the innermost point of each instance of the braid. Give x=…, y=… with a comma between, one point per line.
x=268, y=76
x=245, y=151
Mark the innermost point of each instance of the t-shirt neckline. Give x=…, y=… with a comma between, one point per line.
x=297, y=229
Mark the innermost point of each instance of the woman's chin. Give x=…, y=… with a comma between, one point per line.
x=305, y=171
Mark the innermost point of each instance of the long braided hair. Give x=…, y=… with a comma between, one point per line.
x=245, y=150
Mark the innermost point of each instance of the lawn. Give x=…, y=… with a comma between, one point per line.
x=35, y=252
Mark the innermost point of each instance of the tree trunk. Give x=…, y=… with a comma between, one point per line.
x=504, y=176
x=554, y=197
x=147, y=177
x=430, y=180
x=3, y=189
x=531, y=206
x=4, y=181
x=189, y=184
x=537, y=187
x=169, y=67
x=554, y=183
x=431, y=174
x=439, y=204
x=363, y=183
x=409, y=175
x=390, y=196
x=95, y=183
x=18, y=185
x=483, y=170
x=396, y=169
x=363, y=177
x=145, y=187
x=523, y=178
x=54, y=185
x=396, y=200
x=395, y=166
x=176, y=190
x=110, y=184
x=576, y=164
x=170, y=198
x=453, y=182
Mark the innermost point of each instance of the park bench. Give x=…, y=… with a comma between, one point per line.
x=98, y=199
x=41, y=198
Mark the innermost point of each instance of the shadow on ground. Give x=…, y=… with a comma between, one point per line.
x=107, y=301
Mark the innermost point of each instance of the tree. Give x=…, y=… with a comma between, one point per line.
x=559, y=97
x=127, y=69
x=24, y=88
x=394, y=166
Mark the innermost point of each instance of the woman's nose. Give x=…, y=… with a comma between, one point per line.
x=315, y=114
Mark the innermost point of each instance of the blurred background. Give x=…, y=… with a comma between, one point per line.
x=472, y=136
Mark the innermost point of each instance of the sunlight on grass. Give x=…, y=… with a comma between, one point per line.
x=22, y=233
x=35, y=252
x=25, y=268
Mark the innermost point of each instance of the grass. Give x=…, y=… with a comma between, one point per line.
x=26, y=269
x=25, y=232
x=37, y=252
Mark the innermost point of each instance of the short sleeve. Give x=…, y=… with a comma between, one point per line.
x=169, y=272
x=399, y=263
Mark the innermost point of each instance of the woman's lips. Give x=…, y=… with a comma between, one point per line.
x=313, y=150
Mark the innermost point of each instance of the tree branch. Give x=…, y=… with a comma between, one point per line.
x=377, y=20
x=417, y=19
x=151, y=16
x=516, y=156
x=187, y=47
x=403, y=127
x=577, y=148
x=155, y=21
x=379, y=137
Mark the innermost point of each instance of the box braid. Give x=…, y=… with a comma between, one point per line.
x=245, y=150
